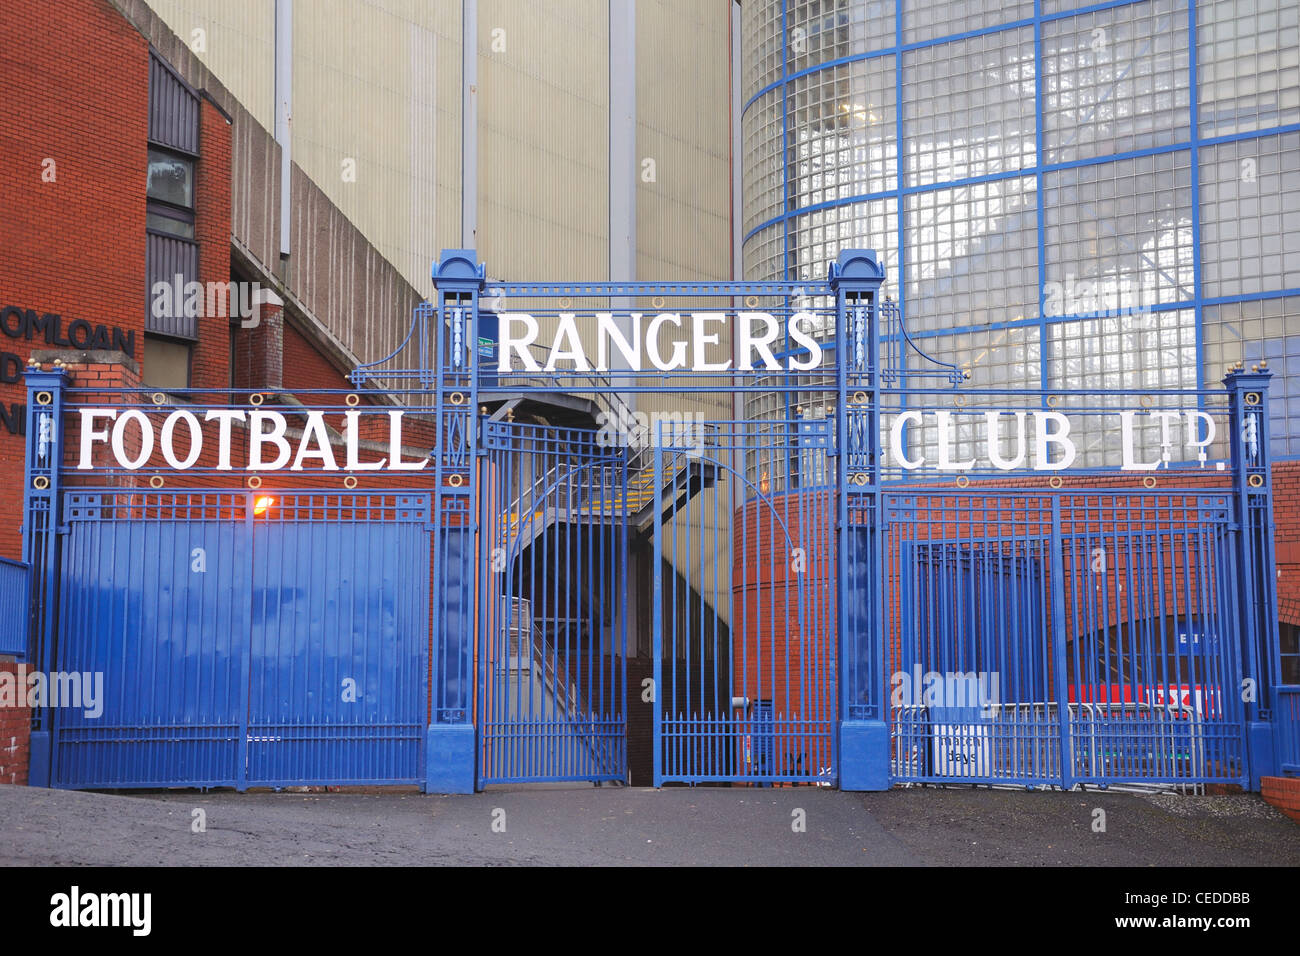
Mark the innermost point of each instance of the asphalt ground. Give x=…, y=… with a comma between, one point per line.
x=557, y=826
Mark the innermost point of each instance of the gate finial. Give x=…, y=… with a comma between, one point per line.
x=857, y=266
x=458, y=270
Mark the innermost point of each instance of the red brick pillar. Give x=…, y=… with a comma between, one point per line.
x=259, y=345
x=95, y=370
x=1283, y=793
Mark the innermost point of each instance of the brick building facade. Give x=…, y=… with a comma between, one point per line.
x=84, y=98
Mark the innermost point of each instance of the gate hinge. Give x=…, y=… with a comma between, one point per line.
x=63, y=529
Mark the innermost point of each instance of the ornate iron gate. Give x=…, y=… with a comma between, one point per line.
x=552, y=696
x=744, y=647
x=1058, y=638
x=794, y=536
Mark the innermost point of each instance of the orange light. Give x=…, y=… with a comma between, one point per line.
x=261, y=505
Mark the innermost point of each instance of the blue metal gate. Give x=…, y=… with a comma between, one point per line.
x=744, y=643
x=553, y=632
x=1063, y=638
x=243, y=639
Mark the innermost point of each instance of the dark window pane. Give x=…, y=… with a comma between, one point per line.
x=174, y=227
x=1290, y=638
x=166, y=364
x=171, y=179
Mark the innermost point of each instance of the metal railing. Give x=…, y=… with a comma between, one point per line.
x=15, y=579
x=1286, y=722
x=551, y=483
x=1022, y=742
x=540, y=658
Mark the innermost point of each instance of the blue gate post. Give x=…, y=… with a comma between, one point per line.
x=44, y=442
x=450, y=751
x=863, y=731
x=1253, y=489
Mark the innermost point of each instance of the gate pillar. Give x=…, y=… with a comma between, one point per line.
x=855, y=280
x=450, y=744
x=1256, y=562
x=44, y=441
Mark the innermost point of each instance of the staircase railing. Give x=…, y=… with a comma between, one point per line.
x=564, y=692
x=607, y=401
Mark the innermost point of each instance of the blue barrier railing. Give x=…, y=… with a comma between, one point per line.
x=1286, y=716
x=15, y=579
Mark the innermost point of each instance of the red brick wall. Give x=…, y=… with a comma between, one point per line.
x=306, y=367
x=258, y=352
x=1283, y=793
x=1286, y=514
x=74, y=88
x=210, y=364
x=299, y=365
x=14, y=733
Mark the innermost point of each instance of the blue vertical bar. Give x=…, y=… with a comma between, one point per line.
x=656, y=599
x=1253, y=490
x=1198, y=308
x=485, y=638
x=1044, y=357
x=863, y=734
x=450, y=761
x=245, y=638
x=1059, y=661
x=41, y=518
x=785, y=162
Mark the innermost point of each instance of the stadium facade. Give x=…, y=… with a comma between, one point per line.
x=1061, y=193
x=518, y=567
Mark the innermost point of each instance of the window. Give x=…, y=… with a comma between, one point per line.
x=171, y=254
x=166, y=363
x=1289, y=635
x=171, y=179
x=172, y=225
x=171, y=194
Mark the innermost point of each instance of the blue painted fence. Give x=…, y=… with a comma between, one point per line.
x=238, y=648
x=1094, y=628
